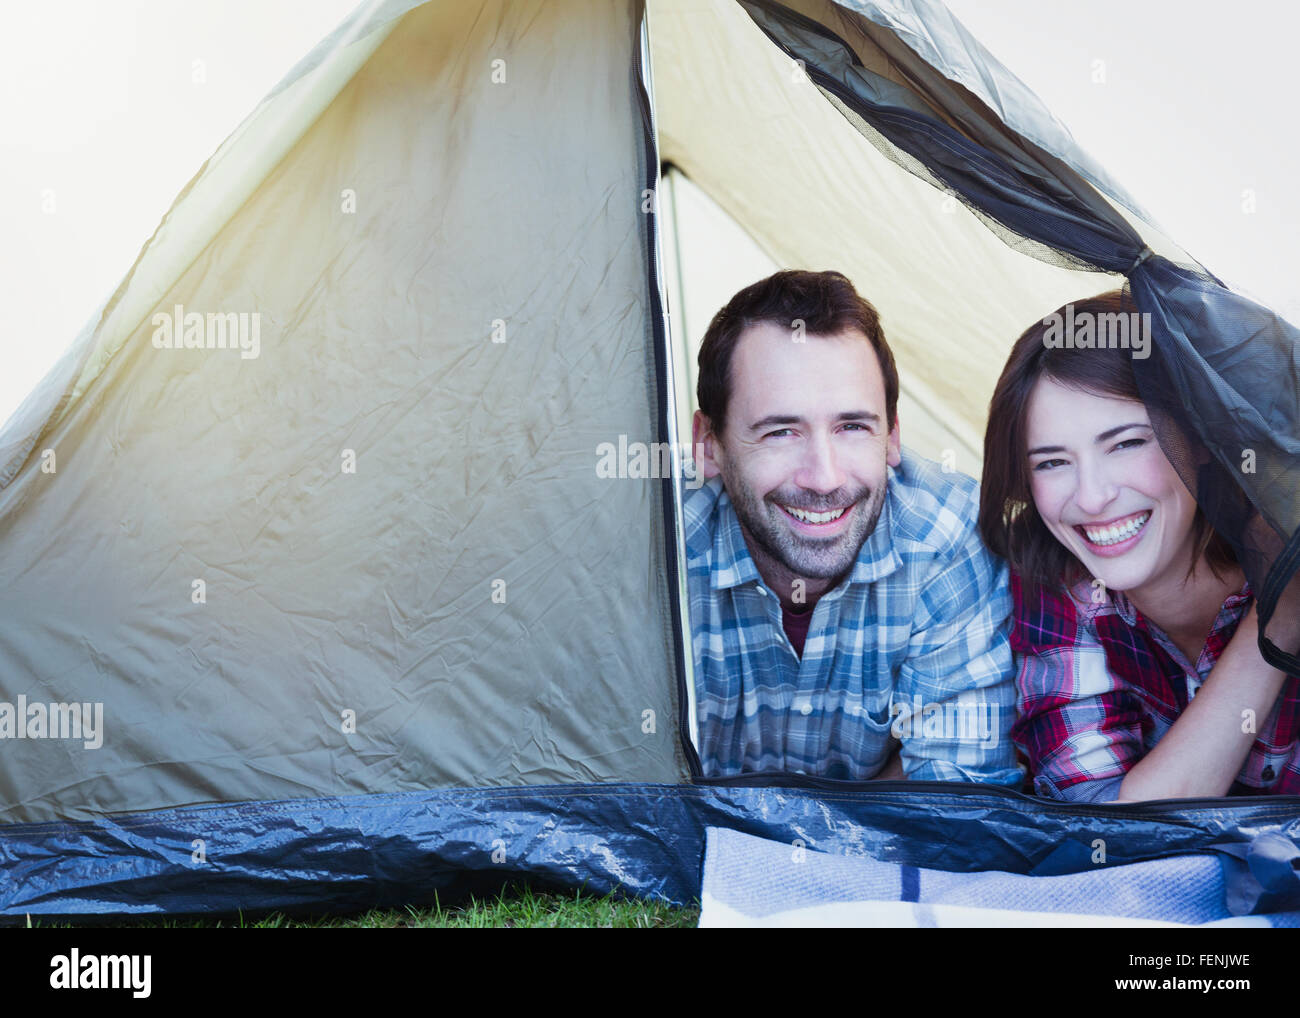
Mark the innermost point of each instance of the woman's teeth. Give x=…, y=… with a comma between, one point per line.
x=1115, y=533
x=807, y=517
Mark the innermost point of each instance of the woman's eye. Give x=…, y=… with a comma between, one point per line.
x=1131, y=443
x=1048, y=464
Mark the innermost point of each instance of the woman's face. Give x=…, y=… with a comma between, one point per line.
x=1105, y=489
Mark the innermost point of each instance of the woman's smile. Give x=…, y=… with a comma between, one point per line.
x=1115, y=536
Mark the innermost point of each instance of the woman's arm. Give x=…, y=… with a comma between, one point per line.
x=1078, y=724
x=1205, y=747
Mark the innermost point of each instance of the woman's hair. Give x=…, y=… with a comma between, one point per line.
x=1009, y=520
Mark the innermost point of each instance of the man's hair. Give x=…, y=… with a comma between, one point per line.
x=1008, y=519
x=825, y=302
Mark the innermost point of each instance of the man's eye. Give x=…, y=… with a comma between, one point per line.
x=856, y=426
x=778, y=433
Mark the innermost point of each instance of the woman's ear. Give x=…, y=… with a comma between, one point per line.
x=707, y=448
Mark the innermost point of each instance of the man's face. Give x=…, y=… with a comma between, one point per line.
x=804, y=451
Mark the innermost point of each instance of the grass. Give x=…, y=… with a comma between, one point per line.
x=513, y=908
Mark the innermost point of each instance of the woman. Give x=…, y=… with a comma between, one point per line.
x=1135, y=630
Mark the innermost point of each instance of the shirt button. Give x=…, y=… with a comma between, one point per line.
x=1267, y=774
x=763, y=591
x=805, y=708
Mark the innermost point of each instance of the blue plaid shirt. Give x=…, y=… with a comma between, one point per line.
x=912, y=645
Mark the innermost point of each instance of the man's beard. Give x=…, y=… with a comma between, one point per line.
x=819, y=558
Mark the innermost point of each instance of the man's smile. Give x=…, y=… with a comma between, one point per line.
x=823, y=524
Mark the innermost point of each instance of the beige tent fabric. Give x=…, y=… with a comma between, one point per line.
x=760, y=139
x=489, y=609
x=218, y=189
x=717, y=258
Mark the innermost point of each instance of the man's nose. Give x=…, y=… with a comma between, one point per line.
x=820, y=470
x=1096, y=489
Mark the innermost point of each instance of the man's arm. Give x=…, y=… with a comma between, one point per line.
x=959, y=672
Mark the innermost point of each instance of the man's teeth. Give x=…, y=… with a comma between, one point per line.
x=1114, y=534
x=807, y=517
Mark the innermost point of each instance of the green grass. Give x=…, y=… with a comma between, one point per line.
x=518, y=907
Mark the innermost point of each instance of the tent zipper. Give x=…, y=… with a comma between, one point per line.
x=663, y=361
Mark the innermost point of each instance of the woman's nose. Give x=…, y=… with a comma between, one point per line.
x=1096, y=489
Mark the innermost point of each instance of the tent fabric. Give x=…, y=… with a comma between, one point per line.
x=760, y=140
x=474, y=565
x=1225, y=375
x=696, y=230
x=953, y=146
x=218, y=189
x=920, y=43
x=969, y=86
x=364, y=618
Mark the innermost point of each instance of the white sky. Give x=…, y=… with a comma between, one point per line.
x=1197, y=107
x=98, y=104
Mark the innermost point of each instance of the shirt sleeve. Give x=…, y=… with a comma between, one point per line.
x=955, y=696
x=1078, y=723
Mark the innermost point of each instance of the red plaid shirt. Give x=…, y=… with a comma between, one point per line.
x=1099, y=686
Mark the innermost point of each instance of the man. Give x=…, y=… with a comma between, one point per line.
x=847, y=621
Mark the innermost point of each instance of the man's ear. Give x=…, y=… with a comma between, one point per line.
x=707, y=448
x=895, y=454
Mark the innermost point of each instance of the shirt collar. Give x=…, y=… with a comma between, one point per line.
x=1127, y=611
x=734, y=566
x=1124, y=607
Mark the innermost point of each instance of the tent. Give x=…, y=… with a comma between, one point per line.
x=311, y=592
